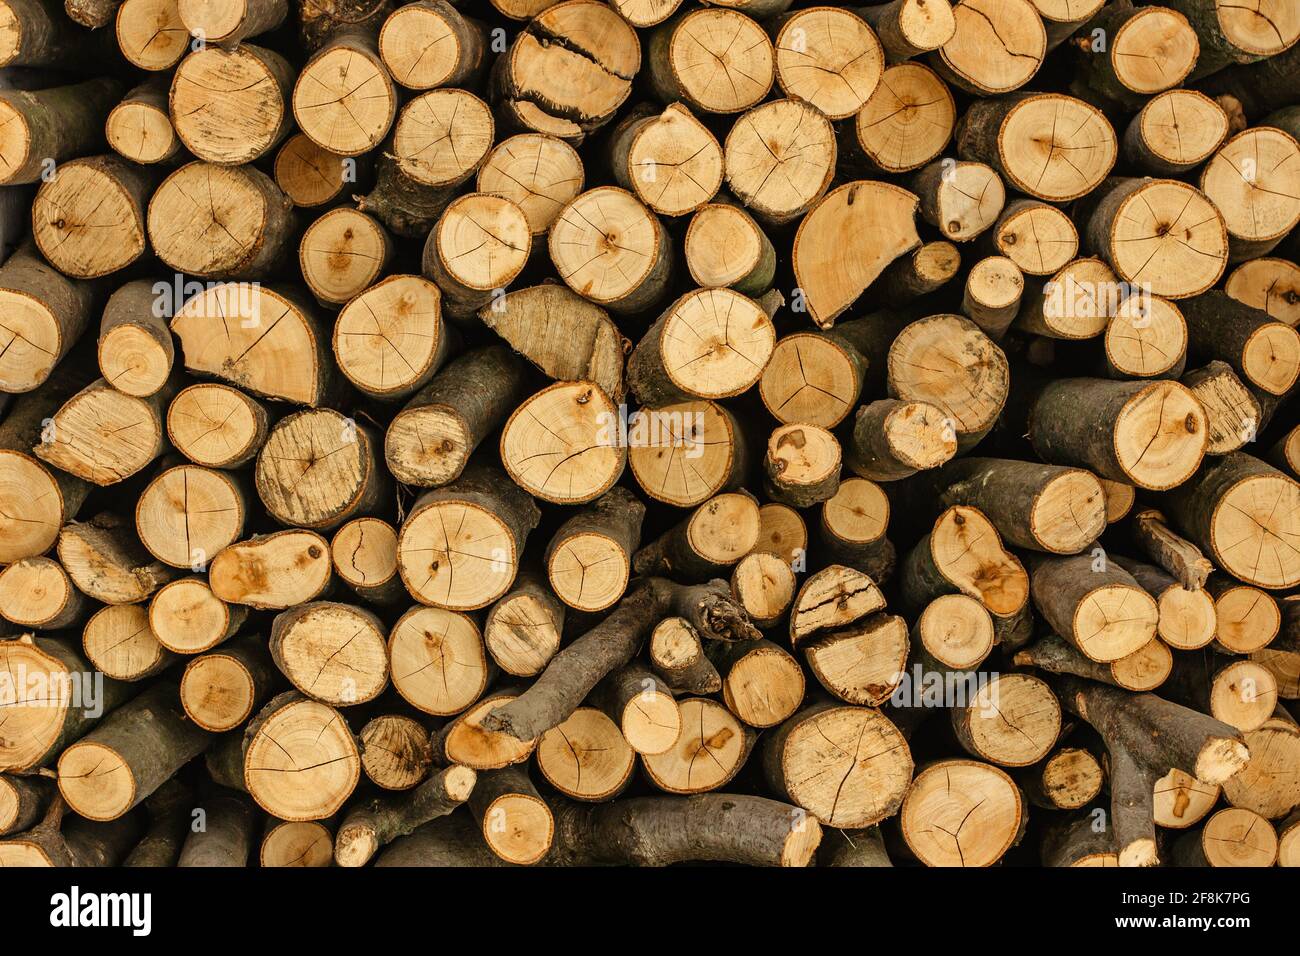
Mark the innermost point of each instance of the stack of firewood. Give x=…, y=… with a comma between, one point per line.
x=647, y=431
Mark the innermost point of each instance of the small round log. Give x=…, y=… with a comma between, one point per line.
x=342, y=254
x=185, y=617
x=438, y=662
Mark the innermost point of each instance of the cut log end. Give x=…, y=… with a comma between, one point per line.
x=863, y=778
x=907, y=120
x=832, y=59
x=956, y=630
x=541, y=174
x=995, y=47
x=713, y=82
x=562, y=444
x=962, y=813
x=586, y=757
x=438, y=662
x=1013, y=721
x=1040, y=239
x=301, y=762
x=396, y=753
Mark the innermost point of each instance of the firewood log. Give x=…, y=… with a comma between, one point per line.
x=102, y=435
x=344, y=99
x=41, y=725
x=216, y=425
x=1268, y=284
x=170, y=818
x=37, y=34
x=71, y=840
x=1152, y=435
x=739, y=829
x=677, y=656
x=232, y=106
x=105, y=559
x=429, y=442
x=23, y=801
x=186, y=617
x=764, y=585
x=1145, y=669
x=46, y=127
x=703, y=452
x=151, y=34
x=996, y=46
x=1081, y=842
x=905, y=123
x=1161, y=234
x=586, y=756
x=129, y=755
x=590, y=558
x=1147, y=338
x=364, y=556
x=341, y=255
x=46, y=313
x=396, y=752
x=865, y=764
x=1039, y=238
x=332, y=652
x=135, y=346
x=670, y=160
x=1232, y=837
x=437, y=660
x=1266, y=786
x=1010, y=134
x=300, y=759
x=241, y=234
x=228, y=26
x=1174, y=132
x=372, y=825
x=1227, y=38
x=626, y=275
x=312, y=176
x=227, y=838
x=89, y=218
x=39, y=593
x=1146, y=735
x=1241, y=511
x=221, y=690
x=186, y=514
x=1148, y=50
x=1262, y=350
x=1247, y=618
x=477, y=524
x=708, y=730
x=412, y=44
x=563, y=445
x=479, y=245
x=683, y=59
x=909, y=28
x=298, y=493
x=1185, y=619
x=1013, y=720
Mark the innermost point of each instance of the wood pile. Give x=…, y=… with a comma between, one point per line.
x=645, y=431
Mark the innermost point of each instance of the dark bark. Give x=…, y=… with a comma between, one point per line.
x=228, y=831
x=578, y=668
x=1145, y=736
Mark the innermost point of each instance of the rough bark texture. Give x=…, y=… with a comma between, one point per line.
x=1145, y=736
x=572, y=673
